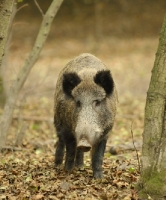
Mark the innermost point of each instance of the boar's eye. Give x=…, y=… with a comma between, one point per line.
x=78, y=103
x=97, y=103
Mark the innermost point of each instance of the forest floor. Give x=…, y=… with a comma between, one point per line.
x=27, y=172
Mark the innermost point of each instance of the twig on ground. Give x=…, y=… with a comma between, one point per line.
x=33, y=118
x=127, y=116
x=121, y=148
x=11, y=148
x=135, y=148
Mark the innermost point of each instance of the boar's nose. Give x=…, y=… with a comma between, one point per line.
x=84, y=145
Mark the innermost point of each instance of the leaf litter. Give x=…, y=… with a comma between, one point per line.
x=30, y=173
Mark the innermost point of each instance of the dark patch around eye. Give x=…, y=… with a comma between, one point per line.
x=78, y=103
x=97, y=102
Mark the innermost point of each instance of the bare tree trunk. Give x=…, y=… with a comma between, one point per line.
x=6, y=8
x=5, y=63
x=153, y=172
x=6, y=117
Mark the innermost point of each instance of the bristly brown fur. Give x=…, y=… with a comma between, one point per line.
x=84, y=110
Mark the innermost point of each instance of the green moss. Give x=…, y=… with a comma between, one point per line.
x=155, y=184
x=152, y=184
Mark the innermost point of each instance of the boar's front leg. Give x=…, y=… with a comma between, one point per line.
x=97, y=159
x=79, y=162
x=59, y=151
x=70, y=154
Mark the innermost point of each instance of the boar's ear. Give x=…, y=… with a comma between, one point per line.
x=105, y=80
x=70, y=81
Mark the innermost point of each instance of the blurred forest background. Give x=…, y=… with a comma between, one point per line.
x=98, y=19
x=124, y=33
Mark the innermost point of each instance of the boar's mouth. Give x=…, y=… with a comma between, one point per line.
x=83, y=145
x=84, y=149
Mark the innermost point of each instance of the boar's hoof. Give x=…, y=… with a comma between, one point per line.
x=97, y=174
x=58, y=162
x=84, y=145
x=69, y=166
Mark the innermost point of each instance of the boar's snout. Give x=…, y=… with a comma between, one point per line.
x=84, y=145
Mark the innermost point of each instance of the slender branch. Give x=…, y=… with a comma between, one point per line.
x=38, y=6
x=135, y=147
x=6, y=117
x=21, y=7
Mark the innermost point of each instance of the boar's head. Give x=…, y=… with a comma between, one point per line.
x=91, y=91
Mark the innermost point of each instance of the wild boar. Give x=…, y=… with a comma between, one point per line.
x=84, y=112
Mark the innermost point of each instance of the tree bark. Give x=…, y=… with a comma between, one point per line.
x=6, y=8
x=5, y=61
x=6, y=117
x=153, y=160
